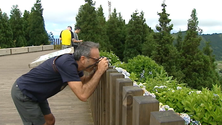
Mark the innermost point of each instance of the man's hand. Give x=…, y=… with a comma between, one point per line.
x=103, y=65
x=86, y=87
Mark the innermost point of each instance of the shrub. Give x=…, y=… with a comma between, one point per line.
x=143, y=68
x=111, y=56
x=173, y=97
x=205, y=106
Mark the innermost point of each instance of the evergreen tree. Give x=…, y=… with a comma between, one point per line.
x=149, y=43
x=87, y=20
x=179, y=41
x=134, y=36
x=6, y=34
x=26, y=26
x=102, y=35
x=17, y=26
x=38, y=34
x=146, y=30
x=196, y=66
x=208, y=51
x=165, y=53
x=116, y=33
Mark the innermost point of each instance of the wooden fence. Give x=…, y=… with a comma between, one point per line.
x=117, y=102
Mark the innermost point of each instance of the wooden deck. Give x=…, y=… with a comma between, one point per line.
x=65, y=106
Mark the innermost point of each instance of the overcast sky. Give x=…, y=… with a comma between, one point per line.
x=58, y=14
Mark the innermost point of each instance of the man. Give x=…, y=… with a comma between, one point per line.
x=31, y=91
x=66, y=36
x=76, y=40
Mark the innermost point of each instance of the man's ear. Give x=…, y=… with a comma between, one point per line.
x=83, y=59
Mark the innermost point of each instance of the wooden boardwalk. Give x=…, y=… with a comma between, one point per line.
x=65, y=106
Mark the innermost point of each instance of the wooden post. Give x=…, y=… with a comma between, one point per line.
x=127, y=104
x=113, y=77
x=103, y=89
x=142, y=107
x=98, y=99
x=119, y=97
x=96, y=106
x=93, y=104
x=107, y=94
x=103, y=99
x=166, y=118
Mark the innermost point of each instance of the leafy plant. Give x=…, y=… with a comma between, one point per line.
x=143, y=67
x=174, y=98
x=205, y=106
x=111, y=56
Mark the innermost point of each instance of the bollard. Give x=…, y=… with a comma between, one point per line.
x=127, y=104
x=120, y=82
x=142, y=107
x=166, y=118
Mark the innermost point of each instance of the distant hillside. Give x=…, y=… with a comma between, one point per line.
x=215, y=40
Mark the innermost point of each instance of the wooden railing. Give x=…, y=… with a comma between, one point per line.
x=117, y=102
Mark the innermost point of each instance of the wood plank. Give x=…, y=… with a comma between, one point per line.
x=113, y=77
x=120, y=83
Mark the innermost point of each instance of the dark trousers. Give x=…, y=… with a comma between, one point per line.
x=31, y=112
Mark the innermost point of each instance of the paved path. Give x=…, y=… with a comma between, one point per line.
x=65, y=106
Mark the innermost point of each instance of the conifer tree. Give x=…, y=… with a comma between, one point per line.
x=165, y=53
x=116, y=33
x=146, y=31
x=6, y=34
x=208, y=51
x=134, y=36
x=38, y=34
x=196, y=66
x=149, y=43
x=17, y=26
x=179, y=41
x=26, y=26
x=102, y=35
x=87, y=20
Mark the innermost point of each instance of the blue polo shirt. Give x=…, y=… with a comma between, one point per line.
x=43, y=81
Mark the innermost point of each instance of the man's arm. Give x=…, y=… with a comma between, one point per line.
x=87, y=76
x=76, y=38
x=84, y=91
x=77, y=41
x=85, y=88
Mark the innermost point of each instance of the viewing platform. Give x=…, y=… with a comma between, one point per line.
x=116, y=101
x=65, y=106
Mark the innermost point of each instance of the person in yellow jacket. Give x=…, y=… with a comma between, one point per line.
x=67, y=37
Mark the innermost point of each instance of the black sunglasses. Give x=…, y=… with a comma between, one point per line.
x=94, y=58
x=97, y=61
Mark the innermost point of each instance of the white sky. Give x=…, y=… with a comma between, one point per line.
x=58, y=14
